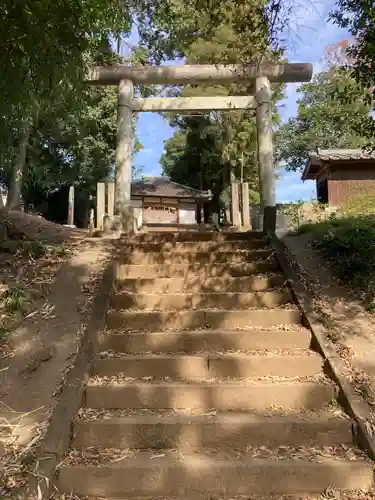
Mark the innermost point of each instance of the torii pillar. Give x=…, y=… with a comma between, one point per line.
x=267, y=189
x=263, y=75
x=123, y=173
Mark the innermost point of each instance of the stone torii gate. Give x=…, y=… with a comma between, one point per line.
x=263, y=75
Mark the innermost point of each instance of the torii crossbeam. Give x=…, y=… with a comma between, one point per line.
x=263, y=75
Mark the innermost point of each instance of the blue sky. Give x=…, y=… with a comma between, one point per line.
x=310, y=34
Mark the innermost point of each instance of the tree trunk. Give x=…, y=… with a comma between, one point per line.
x=18, y=172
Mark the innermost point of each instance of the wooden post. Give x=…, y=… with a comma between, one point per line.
x=265, y=153
x=123, y=207
x=71, y=206
x=245, y=205
x=100, y=205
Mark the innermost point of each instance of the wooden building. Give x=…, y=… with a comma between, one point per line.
x=157, y=200
x=340, y=174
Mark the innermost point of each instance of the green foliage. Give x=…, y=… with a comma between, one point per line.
x=348, y=240
x=46, y=48
x=350, y=244
x=4, y=332
x=33, y=249
x=72, y=143
x=321, y=226
x=27, y=249
x=330, y=112
x=219, y=30
x=16, y=300
x=44, y=51
x=292, y=214
x=206, y=148
x=358, y=17
x=361, y=205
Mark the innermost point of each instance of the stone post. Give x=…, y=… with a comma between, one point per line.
x=71, y=206
x=123, y=208
x=245, y=205
x=236, y=219
x=265, y=153
x=111, y=201
x=100, y=205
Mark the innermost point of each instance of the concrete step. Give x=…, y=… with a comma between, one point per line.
x=201, y=366
x=168, y=258
x=220, y=430
x=212, y=318
x=193, y=284
x=116, y=393
x=192, y=246
x=162, y=475
x=199, y=236
x=175, y=228
x=192, y=341
x=174, y=301
x=199, y=270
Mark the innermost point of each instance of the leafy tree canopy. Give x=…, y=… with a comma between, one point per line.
x=54, y=129
x=330, y=112
x=206, y=148
x=358, y=17
x=169, y=28
x=45, y=47
x=68, y=132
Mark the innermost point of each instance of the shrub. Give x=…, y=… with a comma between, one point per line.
x=348, y=240
x=360, y=205
x=33, y=249
x=16, y=300
x=351, y=247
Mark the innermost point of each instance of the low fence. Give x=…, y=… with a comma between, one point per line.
x=290, y=216
x=283, y=221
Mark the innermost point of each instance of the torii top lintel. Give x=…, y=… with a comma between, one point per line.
x=200, y=73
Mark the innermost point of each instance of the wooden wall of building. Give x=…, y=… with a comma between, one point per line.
x=349, y=180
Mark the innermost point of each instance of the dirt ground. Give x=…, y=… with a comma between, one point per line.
x=39, y=344
x=344, y=318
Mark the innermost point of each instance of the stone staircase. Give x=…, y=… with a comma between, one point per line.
x=205, y=385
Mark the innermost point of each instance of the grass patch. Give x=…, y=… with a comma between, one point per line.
x=16, y=300
x=3, y=333
x=32, y=249
x=321, y=227
x=348, y=240
x=14, y=303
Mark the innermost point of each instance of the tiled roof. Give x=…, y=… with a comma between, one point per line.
x=163, y=187
x=344, y=154
x=317, y=158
